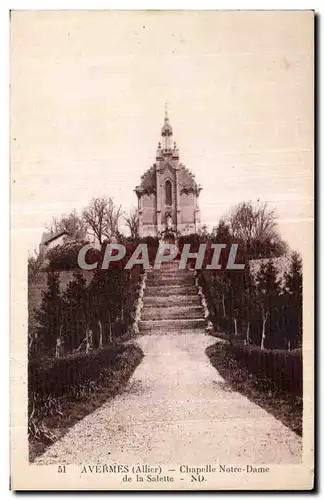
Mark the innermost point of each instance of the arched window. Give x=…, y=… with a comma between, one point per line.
x=168, y=193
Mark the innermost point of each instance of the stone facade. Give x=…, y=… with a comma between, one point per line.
x=168, y=193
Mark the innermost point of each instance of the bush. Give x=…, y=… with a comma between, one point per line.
x=105, y=305
x=284, y=368
x=131, y=245
x=225, y=324
x=119, y=328
x=152, y=246
x=193, y=240
x=49, y=314
x=285, y=405
x=65, y=257
x=62, y=375
x=87, y=380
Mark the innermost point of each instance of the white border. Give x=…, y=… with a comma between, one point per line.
x=4, y=196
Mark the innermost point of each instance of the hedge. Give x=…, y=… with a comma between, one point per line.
x=65, y=257
x=284, y=368
x=62, y=375
x=152, y=246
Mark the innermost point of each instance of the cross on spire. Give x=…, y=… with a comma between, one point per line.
x=166, y=118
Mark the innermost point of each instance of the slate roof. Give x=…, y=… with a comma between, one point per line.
x=54, y=237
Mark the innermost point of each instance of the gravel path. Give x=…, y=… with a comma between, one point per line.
x=176, y=408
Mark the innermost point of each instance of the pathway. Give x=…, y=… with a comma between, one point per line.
x=177, y=409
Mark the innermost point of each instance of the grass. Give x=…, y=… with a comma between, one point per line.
x=69, y=409
x=286, y=407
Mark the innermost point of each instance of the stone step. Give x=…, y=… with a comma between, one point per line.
x=159, y=281
x=171, y=325
x=174, y=300
x=170, y=290
x=173, y=267
x=174, y=274
x=176, y=312
x=183, y=331
x=170, y=264
x=167, y=275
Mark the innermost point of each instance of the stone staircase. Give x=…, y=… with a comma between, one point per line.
x=171, y=302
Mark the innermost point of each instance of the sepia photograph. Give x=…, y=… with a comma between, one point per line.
x=162, y=250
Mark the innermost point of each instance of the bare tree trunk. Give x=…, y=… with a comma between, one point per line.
x=263, y=334
x=264, y=320
x=90, y=337
x=235, y=326
x=100, y=334
x=248, y=333
x=57, y=349
x=87, y=341
x=110, y=329
x=223, y=302
x=58, y=343
x=80, y=346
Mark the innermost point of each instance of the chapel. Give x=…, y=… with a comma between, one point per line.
x=168, y=193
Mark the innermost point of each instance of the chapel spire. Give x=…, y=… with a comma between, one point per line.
x=166, y=131
x=166, y=118
x=168, y=193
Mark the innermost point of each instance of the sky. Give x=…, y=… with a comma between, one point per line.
x=88, y=91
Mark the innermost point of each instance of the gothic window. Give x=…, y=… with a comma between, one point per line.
x=168, y=193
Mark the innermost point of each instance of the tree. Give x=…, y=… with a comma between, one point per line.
x=234, y=299
x=241, y=299
x=50, y=313
x=35, y=263
x=220, y=279
x=223, y=286
x=71, y=223
x=221, y=233
x=75, y=311
x=293, y=284
x=248, y=300
x=131, y=219
x=217, y=290
x=268, y=290
x=64, y=257
x=203, y=233
x=294, y=278
x=102, y=216
x=110, y=297
x=255, y=228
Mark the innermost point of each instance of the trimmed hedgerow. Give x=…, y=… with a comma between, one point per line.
x=284, y=368
x=284, y=405
x=63, y=375
x=65, y=390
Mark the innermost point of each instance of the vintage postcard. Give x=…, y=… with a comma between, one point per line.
x=162, y=250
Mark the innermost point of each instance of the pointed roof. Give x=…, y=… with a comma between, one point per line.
x=165, y=158
x=54, y=237
x=166, y=129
